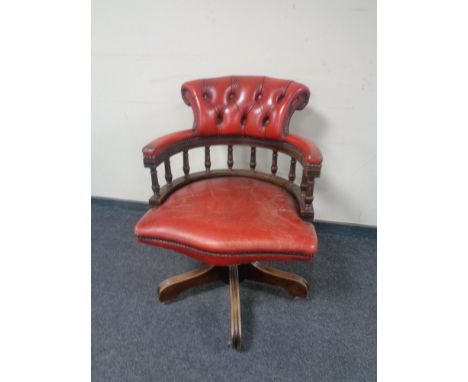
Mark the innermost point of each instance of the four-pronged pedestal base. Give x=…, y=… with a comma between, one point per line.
x=295, y=285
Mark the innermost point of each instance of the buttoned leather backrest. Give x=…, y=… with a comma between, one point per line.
x=259, y=107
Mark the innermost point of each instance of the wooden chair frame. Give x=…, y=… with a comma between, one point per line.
x=303, y=195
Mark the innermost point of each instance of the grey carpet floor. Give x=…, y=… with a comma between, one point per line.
x=329, y=337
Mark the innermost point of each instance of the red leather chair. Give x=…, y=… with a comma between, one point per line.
x=233, y=218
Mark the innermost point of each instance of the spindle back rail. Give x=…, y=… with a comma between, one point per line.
x=302, y=194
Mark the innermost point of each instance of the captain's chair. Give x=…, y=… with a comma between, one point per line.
x=233, y=218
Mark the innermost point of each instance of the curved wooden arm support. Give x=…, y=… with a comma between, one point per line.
x=301, y=151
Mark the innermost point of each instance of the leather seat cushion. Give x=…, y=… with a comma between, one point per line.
x=230, y=220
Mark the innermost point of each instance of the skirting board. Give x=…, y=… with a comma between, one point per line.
x=320, y=226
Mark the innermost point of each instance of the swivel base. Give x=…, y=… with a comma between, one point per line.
x=295, y=285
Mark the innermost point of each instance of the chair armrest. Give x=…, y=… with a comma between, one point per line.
x=156, y=147
x=310, y=151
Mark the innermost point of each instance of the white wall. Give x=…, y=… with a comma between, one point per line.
x=143, y=50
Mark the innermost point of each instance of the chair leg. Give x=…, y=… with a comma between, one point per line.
x=171, y=288
x=294, y=284
x=236, y=327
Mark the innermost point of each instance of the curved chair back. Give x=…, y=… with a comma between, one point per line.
x=257, y=107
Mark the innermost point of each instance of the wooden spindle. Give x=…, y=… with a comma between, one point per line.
x=303, y=180
x=167, y=169
x=309, y=192
x=207, y=158
x=154, y=181
x=230, y=161
x=292, y=170
x=253, y=161
x=274, y=162
x=186, y=162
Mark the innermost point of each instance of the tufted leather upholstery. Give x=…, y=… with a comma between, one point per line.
x=259, y=107
x=226, y=221
x=250, y=106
